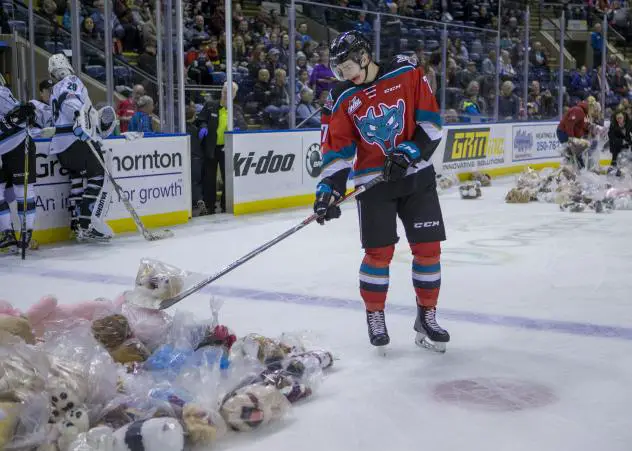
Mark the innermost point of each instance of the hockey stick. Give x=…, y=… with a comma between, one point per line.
x=26, y=184
x=201, y=284
x=149, y=236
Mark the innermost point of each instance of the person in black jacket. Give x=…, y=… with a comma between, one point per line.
x=620, y=136
x=212, y=122
x=197, y=163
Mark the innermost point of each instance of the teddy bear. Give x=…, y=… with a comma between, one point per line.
x=13, y=322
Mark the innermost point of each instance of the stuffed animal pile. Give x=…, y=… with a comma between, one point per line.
x=600, y=191
x=118, y=376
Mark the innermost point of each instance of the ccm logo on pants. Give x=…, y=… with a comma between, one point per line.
x=423, y=225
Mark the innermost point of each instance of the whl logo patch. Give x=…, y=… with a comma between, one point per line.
x=269, y=163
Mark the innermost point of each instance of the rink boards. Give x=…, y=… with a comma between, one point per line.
x=154, y=173
x=279, y=169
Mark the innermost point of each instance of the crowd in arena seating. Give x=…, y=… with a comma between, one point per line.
x=261, y=57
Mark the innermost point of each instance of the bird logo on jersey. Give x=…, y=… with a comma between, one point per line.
x=384, y=127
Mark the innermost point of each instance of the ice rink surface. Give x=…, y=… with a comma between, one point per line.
x=538, y=303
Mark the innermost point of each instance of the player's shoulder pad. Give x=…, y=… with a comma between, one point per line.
x=336, y=94
x=400, y=62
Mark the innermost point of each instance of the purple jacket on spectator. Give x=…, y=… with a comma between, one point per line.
x=321, y=71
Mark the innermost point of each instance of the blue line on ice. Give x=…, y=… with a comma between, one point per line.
x=568, y=327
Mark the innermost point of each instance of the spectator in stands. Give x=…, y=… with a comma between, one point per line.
x=538, y=58
x=451, y=117
x=302, y=32
x=141, y=120
x=261, y=89
x=507, y=71
x=581, y=84
x=322, y=78
x=363, y=25
x=87, y=30
x=488, y=66
x=596, y=42
x=273, y=61
x=306, y=108
x=147, y=59
x=508, y=102
x=620, y=135
x=258, y=62
x=278, y=100
x=473, y=104
x=467, y=75
x=484, y=20
x=118, y=32
x=618, y=84
x=128, y=107
x=303, y=81
x=197, y=31
x=212, y=122
x=240, y=53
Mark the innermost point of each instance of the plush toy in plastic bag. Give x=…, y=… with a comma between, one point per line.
x=202, y=426
x=155, y=282
x=9, y=414
x=155, y=434
x=263, y=349
x=482, y=178
x=470, y=190
x=253, y=406
x=23, y=369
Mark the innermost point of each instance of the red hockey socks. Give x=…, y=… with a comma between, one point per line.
x=374, y=273
x=427, y=272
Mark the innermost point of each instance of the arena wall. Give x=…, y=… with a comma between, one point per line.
x=154, y=173
x=280, y=169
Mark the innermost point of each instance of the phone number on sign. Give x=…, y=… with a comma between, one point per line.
x=547, y=146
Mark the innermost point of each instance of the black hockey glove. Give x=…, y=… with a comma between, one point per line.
x=399, y=160
x=23, y=114
x=327, y=194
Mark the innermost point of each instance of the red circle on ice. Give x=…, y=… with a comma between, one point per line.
x=497, y=394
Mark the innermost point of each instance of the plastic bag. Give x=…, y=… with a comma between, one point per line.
x=148, y=325
x=155, y=282
x=32, y=427
x=23, y=369
x=81, y=369
x=254, y=405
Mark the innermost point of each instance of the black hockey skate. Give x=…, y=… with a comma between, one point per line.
x=429, y=334
x=91, y=235
x=30, y=242
x=8, y=242
x=378, y=334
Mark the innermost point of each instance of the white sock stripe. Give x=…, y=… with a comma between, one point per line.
x=427, y=277
x=374, y=280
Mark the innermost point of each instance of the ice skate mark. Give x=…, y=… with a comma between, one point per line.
x=523, y=237
x=516, y=322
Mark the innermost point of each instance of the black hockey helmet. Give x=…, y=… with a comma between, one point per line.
x=349, y=45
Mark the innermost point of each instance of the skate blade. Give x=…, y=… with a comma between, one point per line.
x=423, y=341
x=381, y=351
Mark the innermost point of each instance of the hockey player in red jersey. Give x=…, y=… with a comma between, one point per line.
x=383, y=119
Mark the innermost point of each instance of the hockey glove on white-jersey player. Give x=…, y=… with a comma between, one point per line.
x=329, y=191
x=399, y=160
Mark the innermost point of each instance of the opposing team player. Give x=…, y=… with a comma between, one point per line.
x=383, y=119
x=69, y=100
x=15, y=119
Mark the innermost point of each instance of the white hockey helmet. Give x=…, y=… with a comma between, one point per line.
x=59, y=67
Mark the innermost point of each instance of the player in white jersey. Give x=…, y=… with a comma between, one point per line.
x=89, y=206
x=15, y=119
x=43, y=112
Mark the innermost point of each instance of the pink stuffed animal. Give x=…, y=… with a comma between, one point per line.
x=47, y=312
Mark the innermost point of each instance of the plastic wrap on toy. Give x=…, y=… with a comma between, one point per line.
x=30, y=428
x=263, y=349
x=96, y=439
x=81, y=369
x=23, y=369
x=252, y=406
x=155, y=282
x=202, y=426
x=150, y=326
x=445, y=182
